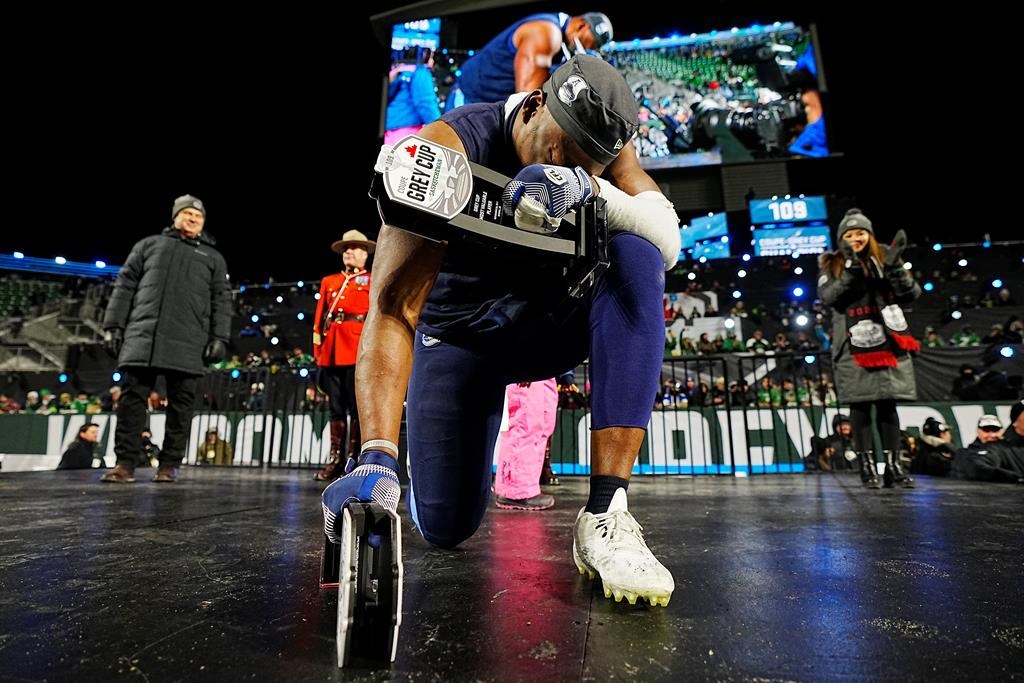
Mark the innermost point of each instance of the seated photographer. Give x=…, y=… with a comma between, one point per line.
x=935, y=450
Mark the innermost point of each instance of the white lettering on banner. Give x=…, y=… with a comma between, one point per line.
x=304, y=444
x=245, y=438
x=661, y=442
x=798, y=427
x=737, y=439
x=966, y=422
x=761, y=421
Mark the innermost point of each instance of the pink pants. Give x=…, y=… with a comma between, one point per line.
x=531, y=420
x=393, y=136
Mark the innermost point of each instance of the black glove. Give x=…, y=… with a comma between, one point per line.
x=894, y=252
x=852, y=262
x=215, y=351
x=113, y=340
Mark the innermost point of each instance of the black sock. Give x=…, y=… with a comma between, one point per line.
x=602, y=488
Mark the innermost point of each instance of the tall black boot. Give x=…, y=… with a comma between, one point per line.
x=868, y=471
x=355, y=445
x=894, y=472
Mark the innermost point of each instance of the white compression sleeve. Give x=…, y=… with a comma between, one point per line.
x=649, y=214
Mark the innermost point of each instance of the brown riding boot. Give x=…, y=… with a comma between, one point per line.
x=333, y=468
x=547, y=476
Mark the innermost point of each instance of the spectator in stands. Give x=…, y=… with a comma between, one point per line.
x=824, y=393
x=170, y=315
x=864, y=283
x=1014, y=434
x=8, y=405
x=740, y=394
x=1005, y=298
x=81, y=402
x=299, y=358
x=337, y=328
x=1015, y=328
x=80, y=454
x=932, y=340
x=788, y=393
x=48, y=403
x=32, y=402
x=803, y=392
x=804, y=343
x=764, y=393
x=719, y=393
x=990, y=457
x=687, y=347
x=965, y=337
x=758, y=344
x=705, y=347
x=214, y=450
x=155, y=403
x=719, y=343
x=254, y=403
x=671, y=344
x=935, y=451
x=732, y=343
x=782, y=343
x=965, y=385
x=111, y=401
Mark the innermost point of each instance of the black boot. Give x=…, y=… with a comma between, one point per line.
x=868, y=471
x=547, y=476
x=894, y=472
x=334, y=467
x=355, y=445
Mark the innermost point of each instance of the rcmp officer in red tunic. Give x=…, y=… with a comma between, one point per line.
x=340, y=312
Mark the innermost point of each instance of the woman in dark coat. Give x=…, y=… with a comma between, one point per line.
x=864, y=282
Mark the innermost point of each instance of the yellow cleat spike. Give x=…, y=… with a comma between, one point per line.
x=631, y=597
x=607, y=592
x=581, y=570
x=618, y=596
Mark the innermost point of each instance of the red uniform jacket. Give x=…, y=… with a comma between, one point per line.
x=335, y=333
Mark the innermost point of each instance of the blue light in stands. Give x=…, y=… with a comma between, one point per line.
x=928, y=286
x=741, y=273
x=725, y=238
x=691, y=276
x=235, y=374
x=62, y=377
x=300, y=316
x=997, y=283
x=280, y=299
x=458, y=72
x=101, y=264
x=275, y=341
x=729, y=323
x=962, y=263
x=798, y=292
x=746, y=257
x=116, y=376
x=241, y=288
x=986, y=244
x=1006, y=352
x=809, y=359
x=472, y=52
x=801, y=320
x=956, y=315
x=60, y=260
x=703, y=259
x=300, y=284
x=18, y=254
x=909, y=265
x=303, y=372
x=266, y=286
x=255, y=318
x=798, y=271
x=736, y=294
x=317, y=296
x=937, y=246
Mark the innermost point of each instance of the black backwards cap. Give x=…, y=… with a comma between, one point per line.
x=592, y=103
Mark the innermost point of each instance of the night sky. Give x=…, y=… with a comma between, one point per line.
x=263, y=114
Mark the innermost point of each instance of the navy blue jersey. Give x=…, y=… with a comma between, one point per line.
x=479, y=294
x=489, y=75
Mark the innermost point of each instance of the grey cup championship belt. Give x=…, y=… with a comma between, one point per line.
x=436, y=193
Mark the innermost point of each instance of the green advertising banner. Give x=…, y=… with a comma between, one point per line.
x=692, y=441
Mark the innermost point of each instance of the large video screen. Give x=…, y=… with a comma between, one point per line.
x=788, y=210
x=718, y=96
x=703, y=228
x=791, y=241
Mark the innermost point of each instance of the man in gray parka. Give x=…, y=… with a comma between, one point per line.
x=169, y=315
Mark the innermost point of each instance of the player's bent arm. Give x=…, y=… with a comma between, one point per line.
x=637, y=205
x=536, y=42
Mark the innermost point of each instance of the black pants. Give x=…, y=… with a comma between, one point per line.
x=339, y=383
x=131, y=414
x=886, y=419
